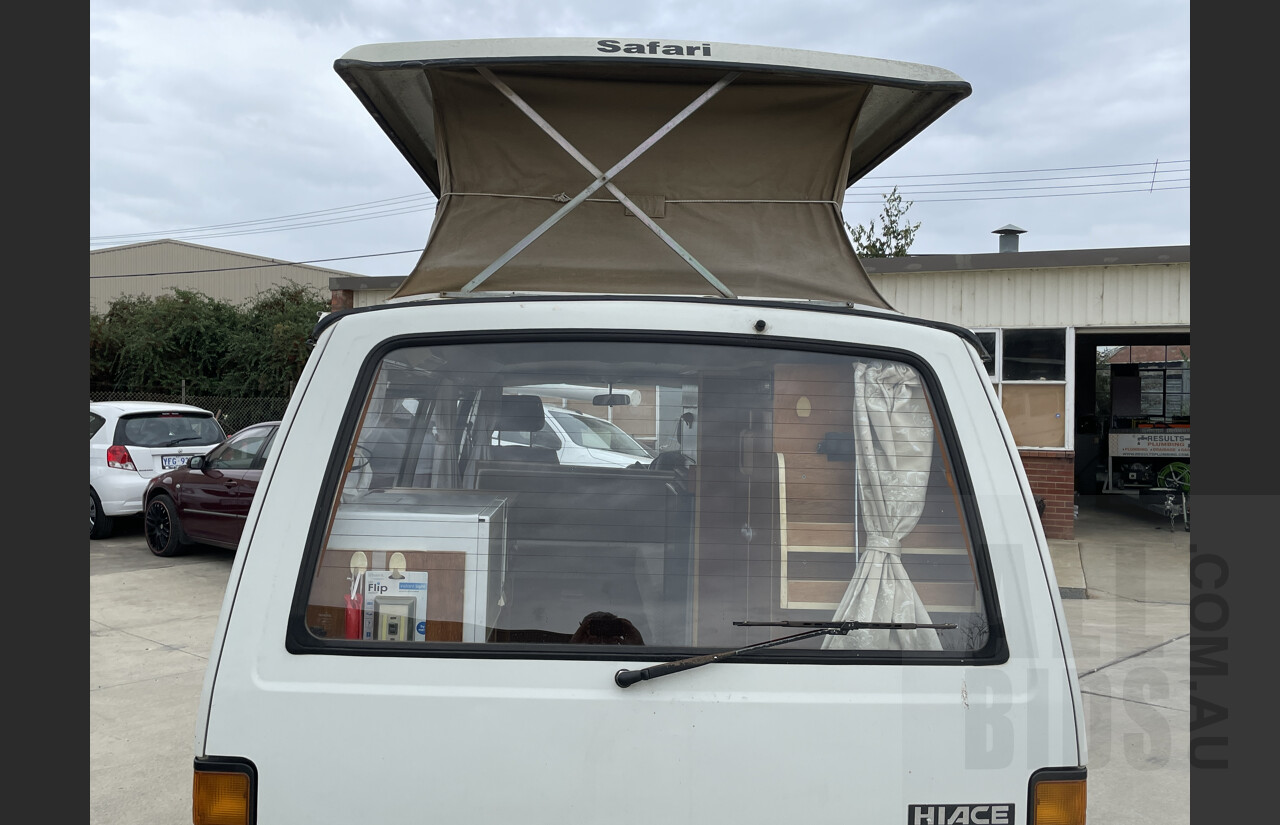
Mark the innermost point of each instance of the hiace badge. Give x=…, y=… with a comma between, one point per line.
x=960, y=814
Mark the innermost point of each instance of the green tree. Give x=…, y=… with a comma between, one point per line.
x=154, y=344
x=895, y=235
x=272, y=342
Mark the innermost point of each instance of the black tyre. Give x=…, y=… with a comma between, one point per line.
x=100, y=523
x=162, y=528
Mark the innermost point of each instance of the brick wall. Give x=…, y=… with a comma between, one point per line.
x=341, y=299
x=1052, y=477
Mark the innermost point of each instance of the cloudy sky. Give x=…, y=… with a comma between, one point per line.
x=222, y=122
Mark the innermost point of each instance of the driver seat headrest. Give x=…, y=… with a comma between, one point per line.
x=520, y=413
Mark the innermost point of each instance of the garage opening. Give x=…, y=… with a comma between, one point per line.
x=1133, y=417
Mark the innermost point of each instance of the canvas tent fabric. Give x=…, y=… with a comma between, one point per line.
x=749, y=185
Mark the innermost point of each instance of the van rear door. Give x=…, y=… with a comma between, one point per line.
x=447, y=644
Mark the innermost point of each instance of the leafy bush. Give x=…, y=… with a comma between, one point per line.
x=145, y=344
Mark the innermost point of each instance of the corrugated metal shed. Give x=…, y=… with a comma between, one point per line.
x=1148, y=287
x=1128, y=287
x=156, y=267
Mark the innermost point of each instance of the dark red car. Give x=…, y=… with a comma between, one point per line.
x=206, y=501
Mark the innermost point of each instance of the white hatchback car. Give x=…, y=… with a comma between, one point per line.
x=131, y=441
x=581, y=440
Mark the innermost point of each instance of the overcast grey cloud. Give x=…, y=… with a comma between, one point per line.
x=210, y=119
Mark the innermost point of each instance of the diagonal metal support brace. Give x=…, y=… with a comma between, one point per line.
x=602, y=179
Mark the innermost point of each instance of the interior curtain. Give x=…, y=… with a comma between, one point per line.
x=894, y=438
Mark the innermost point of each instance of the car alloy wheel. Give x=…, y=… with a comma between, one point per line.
x=163, y=532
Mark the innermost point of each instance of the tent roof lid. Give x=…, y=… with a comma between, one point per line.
x=926, y=92
x=609, y=50
x=726, y=163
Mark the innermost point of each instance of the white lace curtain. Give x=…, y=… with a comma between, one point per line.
x=894, y=433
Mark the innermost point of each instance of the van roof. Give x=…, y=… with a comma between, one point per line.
x=642, y=166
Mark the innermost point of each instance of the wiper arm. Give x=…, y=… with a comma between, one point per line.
x=841, y=628
x=178, y=441
x=627, y=678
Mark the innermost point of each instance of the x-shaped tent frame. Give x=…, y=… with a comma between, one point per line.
x=602, y=179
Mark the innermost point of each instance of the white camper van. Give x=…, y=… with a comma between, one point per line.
x=828, y=599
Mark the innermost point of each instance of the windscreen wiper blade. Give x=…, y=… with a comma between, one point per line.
x=841, y=628
x=626, y=678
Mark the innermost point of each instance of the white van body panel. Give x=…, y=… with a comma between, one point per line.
x=379, y=739
x=246, y=538
x=1046, y=565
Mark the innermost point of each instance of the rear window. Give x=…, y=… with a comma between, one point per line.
x=789, y=486
x=169, y=430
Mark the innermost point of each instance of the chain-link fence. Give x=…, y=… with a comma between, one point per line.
x=232, y=413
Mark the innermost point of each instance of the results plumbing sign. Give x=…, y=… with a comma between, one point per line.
x=1154, y=443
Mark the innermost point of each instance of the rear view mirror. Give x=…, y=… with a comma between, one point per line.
x=612, y=399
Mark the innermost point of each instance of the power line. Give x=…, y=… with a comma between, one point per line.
x=1146, y=177
x=914, y=197
x=419, y=251
x=336, y=216
x=361, y=211
x=307, y=225
x=1023, y=171
x=170, y=232
x=265, y=265
x=1145, y=187
x=1053, y=195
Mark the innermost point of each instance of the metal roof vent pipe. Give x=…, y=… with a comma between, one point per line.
x=1008, y=237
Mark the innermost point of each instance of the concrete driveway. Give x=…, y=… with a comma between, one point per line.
x=151, y=625
x=1131, y=638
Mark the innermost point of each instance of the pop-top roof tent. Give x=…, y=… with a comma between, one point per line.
x=642, y=166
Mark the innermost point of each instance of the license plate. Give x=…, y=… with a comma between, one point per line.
x=170, y=462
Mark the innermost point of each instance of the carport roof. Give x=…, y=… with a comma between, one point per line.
x=1049, y=259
